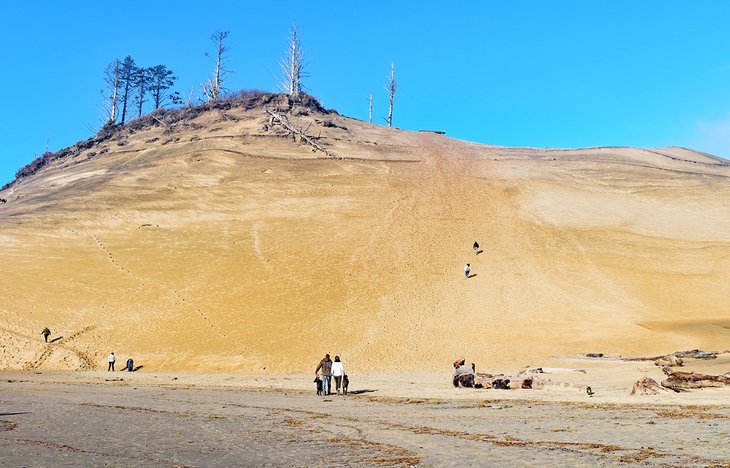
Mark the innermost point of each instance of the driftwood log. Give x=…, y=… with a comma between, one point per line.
x=647, y=386
x=670, y=360
x=684, y=381
x=281, y=119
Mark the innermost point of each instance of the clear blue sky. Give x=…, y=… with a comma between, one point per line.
x=553, y=73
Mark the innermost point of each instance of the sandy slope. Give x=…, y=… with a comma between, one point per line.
x=222, y=246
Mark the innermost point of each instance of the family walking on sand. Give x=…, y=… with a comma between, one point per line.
x=330, y=369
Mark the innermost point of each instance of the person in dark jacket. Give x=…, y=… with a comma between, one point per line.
x=326, y=366
x=130, y=365
x=46, y=333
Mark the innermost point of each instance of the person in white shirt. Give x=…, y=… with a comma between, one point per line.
x=338, y=370
x=112, y=359
x=467, y=270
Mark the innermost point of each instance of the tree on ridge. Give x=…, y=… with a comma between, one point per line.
x=141, y=79
x=292, y=65
x=392, y=87
x=126, y=82
x=110, y=106
x=161, y=79
x=213, y=88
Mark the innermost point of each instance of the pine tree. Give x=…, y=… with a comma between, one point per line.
x=126, y=83
x=161, y=79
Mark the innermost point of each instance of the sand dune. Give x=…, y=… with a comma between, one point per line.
x=224, y=247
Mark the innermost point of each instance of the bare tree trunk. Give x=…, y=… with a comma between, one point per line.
x=392, y=87
x=111, y=106
x=213, y=88
x=292, y=65
x=370, y=116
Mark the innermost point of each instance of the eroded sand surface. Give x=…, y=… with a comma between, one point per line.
x=94, y=418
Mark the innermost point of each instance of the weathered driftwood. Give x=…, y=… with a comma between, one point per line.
x=683, y=381
x=698, y=354
x=694, y=354
x=549, y=370
x=281, y=119
x=647, y=386
x=670, y=360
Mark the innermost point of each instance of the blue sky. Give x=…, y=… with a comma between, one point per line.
x=647, y=73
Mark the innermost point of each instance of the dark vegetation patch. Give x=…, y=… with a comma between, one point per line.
x=174, y=120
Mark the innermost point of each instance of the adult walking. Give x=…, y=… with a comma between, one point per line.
x=476, y=248
x=338, y=370
x=326, y=366
x=467, y=271
x=112, y=359
x=46, y=333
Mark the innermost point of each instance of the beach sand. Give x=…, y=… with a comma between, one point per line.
x=133, y=419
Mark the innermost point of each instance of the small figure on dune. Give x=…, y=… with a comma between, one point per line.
x=326, y=366
x=338, y=370
x=112, y=359
x=476, y=248
x=130, y=365
x=46, y=333
x=467, y=270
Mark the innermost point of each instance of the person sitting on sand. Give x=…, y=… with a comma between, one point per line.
x=112, y=359
x=338, y=370
x=326, y=366
x=46, y=333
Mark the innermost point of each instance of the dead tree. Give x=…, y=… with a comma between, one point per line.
x=111, y=101
x=370, y=115
x=392, y=87
x=213, y=88
x=294, y=132
x=292, y=65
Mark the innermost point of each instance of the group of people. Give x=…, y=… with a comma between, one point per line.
x=113, y=359
x=325, y=371
x=467, y=268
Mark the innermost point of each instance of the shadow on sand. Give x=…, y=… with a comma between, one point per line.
x=358, y=392
x=56, y=339
x=473, y=275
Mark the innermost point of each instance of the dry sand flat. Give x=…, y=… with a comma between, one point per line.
x=121, y=419
x=222, y=247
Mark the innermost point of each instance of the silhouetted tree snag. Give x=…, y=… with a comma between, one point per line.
x=213, y=88
x=292, y=65
x=126, y=81
x=161, y=79
x=111, y=101
x=141, y=78
x=392, y=87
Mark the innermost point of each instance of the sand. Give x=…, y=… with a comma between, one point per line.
x=227, y=259
x=221, y=247
x=120, y=418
